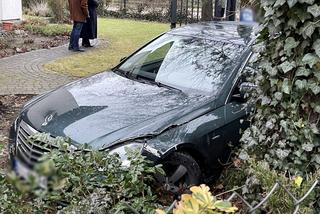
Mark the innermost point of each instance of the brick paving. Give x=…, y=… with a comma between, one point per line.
x=25, y=73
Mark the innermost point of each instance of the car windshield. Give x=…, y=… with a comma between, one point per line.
x=192, y=65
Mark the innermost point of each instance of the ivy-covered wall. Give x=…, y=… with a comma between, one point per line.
x=285, y=127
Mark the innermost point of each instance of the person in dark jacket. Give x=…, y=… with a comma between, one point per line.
x=89, y=29
x=78, y=14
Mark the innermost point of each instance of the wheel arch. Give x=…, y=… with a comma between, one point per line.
x=191, y=150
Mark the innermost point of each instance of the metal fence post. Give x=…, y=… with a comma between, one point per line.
x=231, y=10
x=173, y=13
x=218, y=10
x=124, y=6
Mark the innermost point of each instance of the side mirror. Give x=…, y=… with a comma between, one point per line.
x=245, y=88
x=123, y=58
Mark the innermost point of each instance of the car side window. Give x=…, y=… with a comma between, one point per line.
x=151, y=63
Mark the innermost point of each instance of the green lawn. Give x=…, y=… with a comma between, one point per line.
x=123, y=36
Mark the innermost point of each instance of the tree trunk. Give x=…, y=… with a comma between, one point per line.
x=207, y=10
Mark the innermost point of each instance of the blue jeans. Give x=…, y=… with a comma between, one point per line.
x=75, y=35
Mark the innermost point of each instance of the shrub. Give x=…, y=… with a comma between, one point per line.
x=43, y=27
x=201, y=201
x=26, y=3
x=50, y=29
x=101, y=7
x=3, y=43
x=59, y=10
x=81, y=181
x=40, y=8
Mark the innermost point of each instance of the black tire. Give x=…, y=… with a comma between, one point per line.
x=190, y=169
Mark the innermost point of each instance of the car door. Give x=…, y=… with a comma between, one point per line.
x=236, y=113
x=237, y=109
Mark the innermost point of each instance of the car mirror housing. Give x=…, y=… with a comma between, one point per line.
x=246, y=88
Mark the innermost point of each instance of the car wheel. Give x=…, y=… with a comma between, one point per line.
x=182, y=171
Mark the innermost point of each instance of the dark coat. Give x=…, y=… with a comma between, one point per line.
x=89, y=29
x=78, y=10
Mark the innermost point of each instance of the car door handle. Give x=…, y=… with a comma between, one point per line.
x=215, y=137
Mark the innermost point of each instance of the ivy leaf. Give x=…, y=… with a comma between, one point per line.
x=316, y=46
x=293, y=22
x=307, y=147
x=317, y=75
x=285, y=86
x=278, y=95
x=291, y=3
x=317, y=108
x=301, y=13
x=290, y=44
x=301, y=84
x=301, y=71
x=272, y=71
x=307, y=30
x=315, y=88
x=287, y=66
x=306, y=1
x=310, y=59
x=282, y=153
x=279, y=3
x=268, y=12
x=314, y=10
x=316, y=158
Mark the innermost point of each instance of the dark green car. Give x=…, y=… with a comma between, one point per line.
x=179, y=99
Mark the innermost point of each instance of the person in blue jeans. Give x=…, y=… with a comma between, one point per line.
x=78, y=14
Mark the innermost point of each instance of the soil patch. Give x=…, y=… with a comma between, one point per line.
x=21, y=41
x=10, y=106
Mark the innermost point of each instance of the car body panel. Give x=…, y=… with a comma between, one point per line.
x=109, y=103
x=108, y=110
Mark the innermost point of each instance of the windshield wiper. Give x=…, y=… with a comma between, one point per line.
x=159, y=84
x=123, y=73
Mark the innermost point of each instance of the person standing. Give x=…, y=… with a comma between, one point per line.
x=89, y=29
x=78, y=14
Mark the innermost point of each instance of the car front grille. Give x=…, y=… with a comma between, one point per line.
x=28, y=151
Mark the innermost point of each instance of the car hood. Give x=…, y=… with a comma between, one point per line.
x=106, y=108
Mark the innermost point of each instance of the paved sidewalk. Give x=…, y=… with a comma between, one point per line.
x=25, y=74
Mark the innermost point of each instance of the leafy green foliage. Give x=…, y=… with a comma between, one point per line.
x=43, y=27
x=285, y=126
x=81, y=181
x=59, y=9
x=201, y=201
x=262, y=179
x=50, y=29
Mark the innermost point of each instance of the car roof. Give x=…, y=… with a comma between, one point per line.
x=240, y=33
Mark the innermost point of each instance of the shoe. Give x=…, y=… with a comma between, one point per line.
x=78, y=50
x=87, y=45
x=70, y=48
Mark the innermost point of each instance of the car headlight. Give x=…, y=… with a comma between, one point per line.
x=121, y=151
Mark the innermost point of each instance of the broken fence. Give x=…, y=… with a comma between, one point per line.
x=252, y=208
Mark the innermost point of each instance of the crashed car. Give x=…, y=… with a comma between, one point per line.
x=179, y=99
